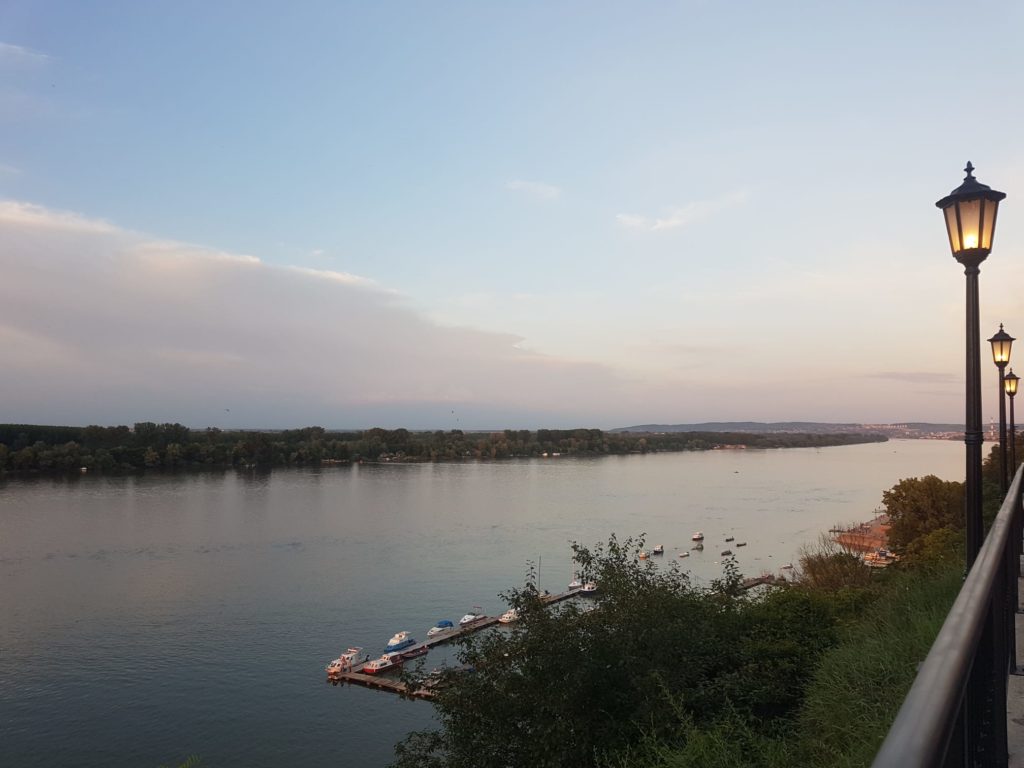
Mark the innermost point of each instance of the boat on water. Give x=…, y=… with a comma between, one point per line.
x=344, y=662
x=442, y=626
x=729, y=538
x=415, y=652
x=684, y=554
x=643, y=554
x=741, y=543
x=699, y=546
x=726, y=552
x=575, y=583
x=658, y=550
x=698, y=536
x=399, y=641
x=469, y=618
x=509, y=616
x=590, y=588
x=386, y=662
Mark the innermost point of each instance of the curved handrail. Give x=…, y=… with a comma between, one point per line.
x=921, y=733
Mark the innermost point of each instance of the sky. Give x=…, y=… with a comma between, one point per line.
x=484, y=215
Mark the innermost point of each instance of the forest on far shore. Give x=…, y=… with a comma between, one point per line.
x=47, y=449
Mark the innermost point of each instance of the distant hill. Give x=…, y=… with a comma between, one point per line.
x=908, y=429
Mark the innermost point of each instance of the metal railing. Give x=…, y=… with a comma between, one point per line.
x=955, y=712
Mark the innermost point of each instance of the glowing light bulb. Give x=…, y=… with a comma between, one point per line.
x=970, y=241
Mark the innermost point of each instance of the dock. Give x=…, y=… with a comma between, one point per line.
x=356, y=676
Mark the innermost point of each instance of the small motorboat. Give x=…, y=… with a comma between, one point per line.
x=590, y=588
x=383, y=664
x=729, y=538
x=469, y=618
x=741, y=543
x=399, y=641
x=344, y=662
x=643, y=554
x=575, y=583
x=699, y=546
x=509, y=616
x=658, y=550
x=442, y=626
x=726, y=552
x=415, y=652
x=684, y=554
x=698, y=536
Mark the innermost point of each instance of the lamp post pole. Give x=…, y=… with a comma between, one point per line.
x=1001, y=343
x=970, y=214
x=1010, y=385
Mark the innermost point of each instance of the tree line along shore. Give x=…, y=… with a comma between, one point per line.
x=28, y=448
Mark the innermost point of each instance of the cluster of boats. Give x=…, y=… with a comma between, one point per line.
x=698, y=546
x=403, y=646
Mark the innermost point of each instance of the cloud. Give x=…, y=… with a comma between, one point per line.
x=537, y=189
x=916, y=377
x=105, y=325
x=682, y=216
x=20, y=55
x=9, y=170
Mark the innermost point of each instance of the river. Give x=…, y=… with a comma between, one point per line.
x=143, y=619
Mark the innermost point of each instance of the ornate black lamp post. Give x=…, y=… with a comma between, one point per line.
x=970, y=213
x=1010, y=385
x=1001, y=343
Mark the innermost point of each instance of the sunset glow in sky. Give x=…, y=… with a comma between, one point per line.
x=486, y=215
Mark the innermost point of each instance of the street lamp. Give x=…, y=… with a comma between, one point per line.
x=970, y=214
x=1010, y=386
x=1001, y=343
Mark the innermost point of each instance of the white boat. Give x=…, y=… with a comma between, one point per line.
x=383, y=664
x=658, y=550
x=344, y=662
x=399, y=641
x=698, y=536
x=469, y=618
x=575, y=583
x=442, y=626
x=684, y=554
x=509, y=616
x=590, y=588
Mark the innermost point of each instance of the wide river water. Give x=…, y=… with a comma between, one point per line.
x=143, y=619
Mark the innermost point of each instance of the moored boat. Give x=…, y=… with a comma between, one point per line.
x=386, y=662
x=575, y=583
x=698, y=536
x=729, y=538
x=741, y=543
x=590, y=588
x=726, y=552
x=471, y=617
x=643, y=554
x=442, y=626
x=684, y=554
x=399, y=641
x=415, y=652
x=344, y=662
x=509, y=616
x=699, y=546
x=658, y=550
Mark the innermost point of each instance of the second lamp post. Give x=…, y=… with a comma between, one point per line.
x=1001, y=343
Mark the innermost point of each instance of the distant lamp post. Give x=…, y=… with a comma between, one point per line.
x=970, y=214
x=1001, y=343
x=1010, y=387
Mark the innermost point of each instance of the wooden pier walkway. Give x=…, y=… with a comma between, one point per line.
x=356, y=676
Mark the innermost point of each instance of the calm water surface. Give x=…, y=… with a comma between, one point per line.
x=146, y=618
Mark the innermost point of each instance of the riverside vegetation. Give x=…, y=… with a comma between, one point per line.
x=662, y=673
x=34, y=448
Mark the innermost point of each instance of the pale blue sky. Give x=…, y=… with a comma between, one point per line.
x=639, y=200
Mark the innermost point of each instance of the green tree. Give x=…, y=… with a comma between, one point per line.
x=918, y=506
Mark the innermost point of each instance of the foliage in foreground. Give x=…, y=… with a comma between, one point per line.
x=655, y=657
